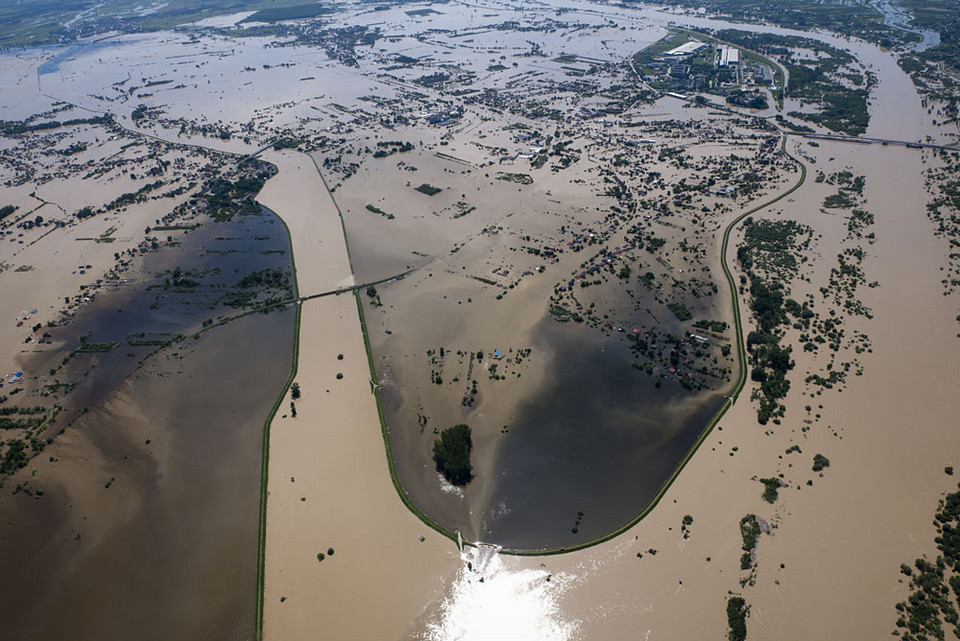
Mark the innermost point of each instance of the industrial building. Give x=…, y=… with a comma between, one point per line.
x=728, y=56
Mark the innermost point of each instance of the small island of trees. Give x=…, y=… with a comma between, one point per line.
x=451, y=452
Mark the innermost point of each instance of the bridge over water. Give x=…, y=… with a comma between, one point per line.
x=883, y=141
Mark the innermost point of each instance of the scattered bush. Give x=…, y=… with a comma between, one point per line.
x=428, y=189
x=819, y=462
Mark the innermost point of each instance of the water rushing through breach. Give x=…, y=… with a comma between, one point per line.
x=488, y=601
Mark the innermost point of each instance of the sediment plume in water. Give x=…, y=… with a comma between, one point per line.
x=147, y=515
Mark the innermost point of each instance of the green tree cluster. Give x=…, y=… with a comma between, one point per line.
x=737, y=618
x=934, y=586
x=451, y=453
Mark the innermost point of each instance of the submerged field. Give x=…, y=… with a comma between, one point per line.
x=132, y=441
x=575, y=316
x=528, y=232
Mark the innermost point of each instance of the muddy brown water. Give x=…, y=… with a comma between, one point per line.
x=147, y=526
x=597, y=436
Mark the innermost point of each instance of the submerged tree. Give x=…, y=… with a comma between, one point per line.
x=451, y=453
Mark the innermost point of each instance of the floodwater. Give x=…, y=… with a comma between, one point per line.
x=53, y=64
x=599, y=438
x=148, y=523
x=593, y=435
x=895, y=16
x=179, y=560
x=487, y=600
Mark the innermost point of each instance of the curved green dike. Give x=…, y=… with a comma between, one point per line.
x=294, y=366
x=265, y=446
x=741, y=381
x=386, y=435
x=343, y=223
x=391, y=463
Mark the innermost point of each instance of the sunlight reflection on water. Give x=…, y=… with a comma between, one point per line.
x=492, y=602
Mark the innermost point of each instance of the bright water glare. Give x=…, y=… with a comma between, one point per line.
x=490, y=602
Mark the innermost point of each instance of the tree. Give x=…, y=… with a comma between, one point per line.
x=451, y=453
x=295, y=391
x=819, y=462
x=736, y=618
x=14, y=458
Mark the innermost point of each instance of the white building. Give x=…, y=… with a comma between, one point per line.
x=686, y=48
x=729, y=56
